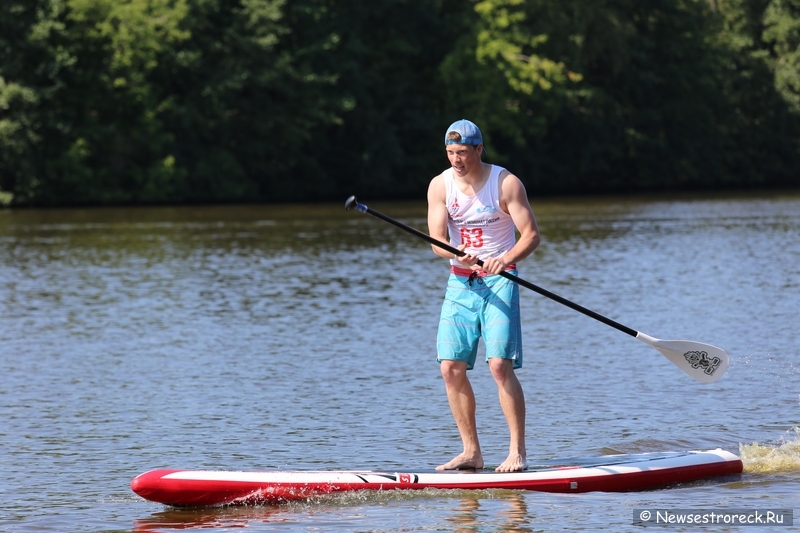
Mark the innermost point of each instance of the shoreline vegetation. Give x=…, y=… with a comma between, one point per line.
x=169, y=102
x=415, y=206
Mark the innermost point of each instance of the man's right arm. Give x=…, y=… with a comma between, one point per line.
x=437, y=221
x=437, y=215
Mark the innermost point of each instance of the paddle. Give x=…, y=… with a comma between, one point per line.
x=703, y=362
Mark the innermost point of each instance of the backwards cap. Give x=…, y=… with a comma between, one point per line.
x=470, y=134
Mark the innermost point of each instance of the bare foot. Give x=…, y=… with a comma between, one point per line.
x=514, y=463
x=463, y=462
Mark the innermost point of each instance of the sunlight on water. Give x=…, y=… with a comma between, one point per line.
x=302, y=337
x=763, y=458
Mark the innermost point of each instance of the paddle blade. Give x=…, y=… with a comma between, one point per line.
x=703, y=362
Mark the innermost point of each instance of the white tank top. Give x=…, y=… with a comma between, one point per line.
x=478, y=220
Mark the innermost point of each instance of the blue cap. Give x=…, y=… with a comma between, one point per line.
x=470, y=134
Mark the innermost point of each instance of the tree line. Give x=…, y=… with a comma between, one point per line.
x=108, y=102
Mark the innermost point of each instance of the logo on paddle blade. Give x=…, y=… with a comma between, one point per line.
x=701, y=360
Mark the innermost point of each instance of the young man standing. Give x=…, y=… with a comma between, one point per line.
x=479, y=207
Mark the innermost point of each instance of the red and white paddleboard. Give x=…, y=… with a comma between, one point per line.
x=611, y=473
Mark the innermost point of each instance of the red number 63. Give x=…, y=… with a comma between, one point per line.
x=473, y=238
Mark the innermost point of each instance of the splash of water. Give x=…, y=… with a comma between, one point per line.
x=782, y=457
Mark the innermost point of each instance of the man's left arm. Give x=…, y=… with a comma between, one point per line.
x=515, y=198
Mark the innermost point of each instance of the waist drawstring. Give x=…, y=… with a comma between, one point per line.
x=474, y=275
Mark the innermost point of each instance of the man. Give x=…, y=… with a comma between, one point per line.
x=479, y=206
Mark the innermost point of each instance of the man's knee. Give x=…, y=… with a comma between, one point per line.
x=453, y=371
x=502, y=369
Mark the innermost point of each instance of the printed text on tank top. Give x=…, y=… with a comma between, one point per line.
x=478, y=220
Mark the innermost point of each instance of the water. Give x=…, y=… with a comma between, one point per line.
x=303, y=337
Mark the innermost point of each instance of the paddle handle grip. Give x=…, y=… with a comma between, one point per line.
x=352, y=202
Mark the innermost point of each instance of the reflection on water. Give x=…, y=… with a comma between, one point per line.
x=470, y=511
x=211, y=518
x=508, y=512
x=466, y=516
x=303, y=338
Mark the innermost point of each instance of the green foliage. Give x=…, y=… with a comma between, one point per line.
x=148, y=101
x=93, y=133
x=516, y=88
x=137, y=32
x=246, y=105
x=762, y=128
x=620, y=95
x=505, y=43
x=20, y=125
x=782, y=21
x=16, y=133
x=388, y=141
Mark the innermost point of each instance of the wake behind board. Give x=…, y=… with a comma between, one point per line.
x=612, y=473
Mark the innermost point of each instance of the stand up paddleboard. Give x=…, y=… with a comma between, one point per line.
x=612, y=473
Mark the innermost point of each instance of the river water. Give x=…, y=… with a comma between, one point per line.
x=303, y=337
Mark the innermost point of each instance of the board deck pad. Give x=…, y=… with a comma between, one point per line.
x=610, y=473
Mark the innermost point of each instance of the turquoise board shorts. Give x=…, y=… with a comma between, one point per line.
x=486, y=307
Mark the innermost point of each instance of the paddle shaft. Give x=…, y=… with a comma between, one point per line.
x=351, y=202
